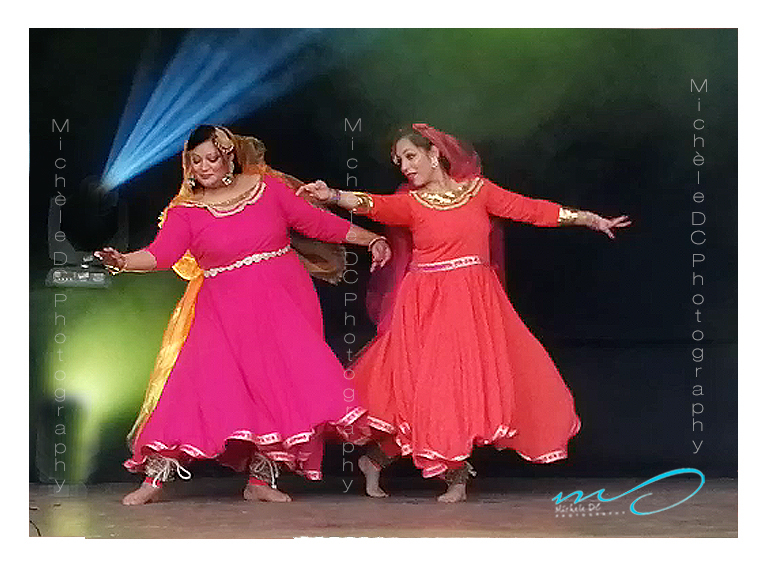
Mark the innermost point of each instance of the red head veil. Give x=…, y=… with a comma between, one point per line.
x=463, y=161
x=384, y=283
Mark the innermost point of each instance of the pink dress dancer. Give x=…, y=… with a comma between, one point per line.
x=255, y=375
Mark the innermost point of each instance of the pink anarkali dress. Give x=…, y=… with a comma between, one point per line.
x=255, y=373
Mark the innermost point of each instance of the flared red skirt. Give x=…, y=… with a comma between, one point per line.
x=458, y=368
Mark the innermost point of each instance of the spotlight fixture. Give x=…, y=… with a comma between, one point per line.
x=75, y=268
x=84, y=275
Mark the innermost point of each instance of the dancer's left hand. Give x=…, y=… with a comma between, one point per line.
x=381, y=254
x=607, y=225
x=318, y=190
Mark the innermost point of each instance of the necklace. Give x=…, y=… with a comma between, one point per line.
x=234, y=200
x=230, y=206
x=449, y=199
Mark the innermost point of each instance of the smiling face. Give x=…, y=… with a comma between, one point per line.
x=416, y=163
x=208, y=165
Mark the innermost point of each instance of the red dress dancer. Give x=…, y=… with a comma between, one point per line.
x=453, y=365
x=457, y=367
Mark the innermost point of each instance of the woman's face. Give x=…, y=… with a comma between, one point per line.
x=416, y=163
x=208, y=165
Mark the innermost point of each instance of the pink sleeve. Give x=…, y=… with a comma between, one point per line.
x=172, y=241
x=509, y=205
x=393, y=209
x=308, y=219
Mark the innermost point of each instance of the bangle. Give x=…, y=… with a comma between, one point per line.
x=335, y=198
x=364, y=203
x=115, y=270
x=374, y=240
x=567, y=216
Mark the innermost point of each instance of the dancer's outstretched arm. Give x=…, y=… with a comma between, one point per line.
x=387, y=209
x=323, y=225
x=170, y=244
x=592, y=221
x=139, y=261
x=321, y=192
x=510, y=205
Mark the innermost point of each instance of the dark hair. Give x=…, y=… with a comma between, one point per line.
x=204, y=133
x=418, y=140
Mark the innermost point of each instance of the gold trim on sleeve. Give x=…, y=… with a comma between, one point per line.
x=365, y=204
x=567, y=217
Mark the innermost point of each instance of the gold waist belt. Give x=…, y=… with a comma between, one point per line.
x=252, y=259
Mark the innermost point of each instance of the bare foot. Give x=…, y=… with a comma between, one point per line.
x=371, y=477
x=265, y=494
x=455, y=493
x=147, y=492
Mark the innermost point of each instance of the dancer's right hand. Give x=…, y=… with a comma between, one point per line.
x=112, y=258
x=318, y=190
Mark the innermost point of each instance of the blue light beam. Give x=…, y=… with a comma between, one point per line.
x=215, y=76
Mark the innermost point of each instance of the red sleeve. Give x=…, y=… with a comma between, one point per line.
x=394, y=209
x=306, y=218
x=173, y=239
x=510, y=205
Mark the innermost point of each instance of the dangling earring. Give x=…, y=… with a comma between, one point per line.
x=191, y=182
x=434, y=163
x=229, y=177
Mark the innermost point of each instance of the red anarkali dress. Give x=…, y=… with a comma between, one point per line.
x=456, y=366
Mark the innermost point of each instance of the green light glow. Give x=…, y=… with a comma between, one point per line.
x=107, y=349
x=500, y=85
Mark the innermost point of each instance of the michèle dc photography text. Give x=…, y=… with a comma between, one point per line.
x=390, y=283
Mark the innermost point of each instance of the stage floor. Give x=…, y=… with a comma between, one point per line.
x=214, y=508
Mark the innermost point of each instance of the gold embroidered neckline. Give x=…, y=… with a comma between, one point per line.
x=230, y=206
x=449, y=199
x=234, y=200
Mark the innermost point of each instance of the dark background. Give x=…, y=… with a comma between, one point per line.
x=596, y=119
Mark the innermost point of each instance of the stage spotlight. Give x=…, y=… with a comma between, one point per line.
x=107, y=223
x=85, y=275
x=215, y=76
